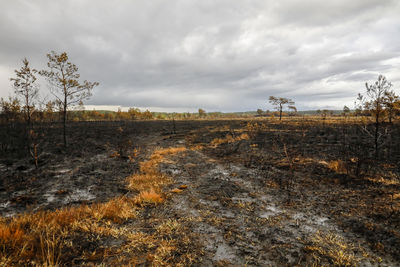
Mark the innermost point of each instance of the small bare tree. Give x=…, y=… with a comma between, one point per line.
x=26, y=88
x=374, y=101
x=279, y=102
x=64, y=85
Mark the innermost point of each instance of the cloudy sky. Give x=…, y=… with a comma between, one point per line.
x=213, y=54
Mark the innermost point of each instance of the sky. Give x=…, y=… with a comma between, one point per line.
x=219, y=55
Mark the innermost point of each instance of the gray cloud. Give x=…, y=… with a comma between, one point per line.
x=218, y=55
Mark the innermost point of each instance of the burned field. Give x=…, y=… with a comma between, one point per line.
x=203, y=193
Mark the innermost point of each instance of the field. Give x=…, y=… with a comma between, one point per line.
x=297, y=192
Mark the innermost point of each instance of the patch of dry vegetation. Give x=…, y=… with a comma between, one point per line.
x=229, y=139
x=332, y=249
x=52, y=238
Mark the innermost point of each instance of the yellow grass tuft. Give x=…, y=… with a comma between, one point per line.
x=149, y=197
x=229, y=139
x=168, y=151
x=116, y=210
x=149, y=176
x=144, y=182
x=151, y=166
x=332, y=248
x=11, y=235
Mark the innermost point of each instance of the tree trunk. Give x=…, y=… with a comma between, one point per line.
x=280, y=112
x=65, y=121
x=376, y=134
x=28, y=126
x=28, y=110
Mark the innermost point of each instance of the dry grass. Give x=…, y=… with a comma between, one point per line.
x=151, y=166
x=149, y=197
x=144, y=182
x=116, y=210
x=337, y=166
x=150, y=181
x=332, y=249
x=229, y=139
x=43, y=237
x=46, y=238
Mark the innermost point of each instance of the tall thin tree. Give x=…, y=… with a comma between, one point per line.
x=64, y=85
x=27, y=89
x=374, y=101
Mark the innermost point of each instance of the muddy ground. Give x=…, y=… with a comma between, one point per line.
x=258, y=194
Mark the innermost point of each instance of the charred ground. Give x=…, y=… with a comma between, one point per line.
x=261, y=193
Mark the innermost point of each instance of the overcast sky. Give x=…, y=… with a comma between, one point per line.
x=213, y=54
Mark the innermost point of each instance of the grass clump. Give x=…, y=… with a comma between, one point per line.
x=332, y=249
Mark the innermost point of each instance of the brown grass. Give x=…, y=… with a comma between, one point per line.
x=229, y=139
x=116, y=210
x=150, y=177
x=333, y=249
x=149, y=197
x=144, y=182
x=45, y=238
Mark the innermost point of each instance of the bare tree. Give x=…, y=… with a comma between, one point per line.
x=64, y=85
x=25, y=87
x=374, y=101
x=279, y=102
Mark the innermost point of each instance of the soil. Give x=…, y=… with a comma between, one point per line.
x=269, y=199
